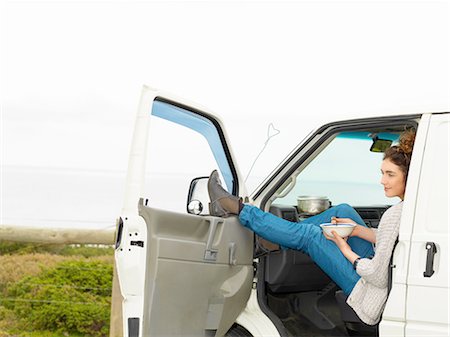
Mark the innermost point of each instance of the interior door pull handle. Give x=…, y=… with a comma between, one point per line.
x=210, y=253
x=431, y=250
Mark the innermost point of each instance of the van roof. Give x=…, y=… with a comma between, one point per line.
x=374, y=114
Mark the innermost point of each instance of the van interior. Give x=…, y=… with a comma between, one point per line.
x=301, y=296
x=292, y=290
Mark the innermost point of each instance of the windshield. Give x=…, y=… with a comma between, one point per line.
x=345, y=171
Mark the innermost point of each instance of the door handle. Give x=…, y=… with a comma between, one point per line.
x=431, y=251
x=210, y=253
x=232, y=254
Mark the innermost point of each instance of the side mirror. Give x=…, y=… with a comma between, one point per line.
x=380, y=145
x=198, y=197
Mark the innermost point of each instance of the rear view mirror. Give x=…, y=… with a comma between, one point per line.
x=380, y=145
x=198, y=197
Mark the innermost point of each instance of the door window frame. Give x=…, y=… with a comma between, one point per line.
x=234, y=176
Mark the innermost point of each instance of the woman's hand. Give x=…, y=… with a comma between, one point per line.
x=340, y=242
x=343, y=246
x=358, y=230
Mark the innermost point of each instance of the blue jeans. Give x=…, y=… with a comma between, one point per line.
x=307, y=237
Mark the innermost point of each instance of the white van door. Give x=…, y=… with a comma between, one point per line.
x=427, y=300
x=181, y=272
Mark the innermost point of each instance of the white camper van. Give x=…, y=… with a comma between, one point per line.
x=183, y=272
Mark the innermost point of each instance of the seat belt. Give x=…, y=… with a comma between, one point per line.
x=391, y=267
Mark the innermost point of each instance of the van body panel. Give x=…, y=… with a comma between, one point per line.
x=394, y=314
x=428, y=275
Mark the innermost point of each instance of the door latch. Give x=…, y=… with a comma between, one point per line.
x=137, y=243
x=431, y=251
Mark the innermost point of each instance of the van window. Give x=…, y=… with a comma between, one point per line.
x=194, y=147
x=345, y=171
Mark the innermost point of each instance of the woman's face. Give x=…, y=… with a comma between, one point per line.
x=393, y=179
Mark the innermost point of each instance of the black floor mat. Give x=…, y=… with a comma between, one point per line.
x=289, y=307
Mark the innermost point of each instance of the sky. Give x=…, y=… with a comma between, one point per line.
x=72, y=73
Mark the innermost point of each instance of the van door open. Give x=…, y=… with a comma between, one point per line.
x=179, y=273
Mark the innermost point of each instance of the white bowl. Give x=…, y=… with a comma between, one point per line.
x=342, y=229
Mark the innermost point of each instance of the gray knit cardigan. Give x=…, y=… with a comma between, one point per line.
x=369, y=295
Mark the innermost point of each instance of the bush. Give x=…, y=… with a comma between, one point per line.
x=71, y=297
x=14, y=267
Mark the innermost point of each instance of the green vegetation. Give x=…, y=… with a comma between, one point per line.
x=49, y=291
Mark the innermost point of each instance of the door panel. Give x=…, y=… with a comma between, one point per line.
x=175, y=232
x=189, y=293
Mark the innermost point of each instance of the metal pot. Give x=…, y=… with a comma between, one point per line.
x=312, y=205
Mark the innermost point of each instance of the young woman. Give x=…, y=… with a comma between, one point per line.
x=353, y=263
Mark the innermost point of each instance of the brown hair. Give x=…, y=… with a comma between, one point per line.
x=400, y=154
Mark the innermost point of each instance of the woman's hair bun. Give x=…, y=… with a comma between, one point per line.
x=406, y=141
